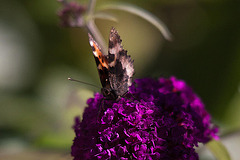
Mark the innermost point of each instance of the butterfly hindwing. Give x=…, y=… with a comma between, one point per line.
x=120, y=65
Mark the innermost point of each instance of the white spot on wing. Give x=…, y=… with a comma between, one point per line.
x=91, y=43
x=115, y=50
x=95, y=53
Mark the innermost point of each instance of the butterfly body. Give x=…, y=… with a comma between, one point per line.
x=115, y=69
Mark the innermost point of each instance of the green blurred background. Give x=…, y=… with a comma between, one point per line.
x=37, y=102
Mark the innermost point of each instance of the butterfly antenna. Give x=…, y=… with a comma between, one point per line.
x=71, y=79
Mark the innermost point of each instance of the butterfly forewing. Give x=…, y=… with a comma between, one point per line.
x=101, y=62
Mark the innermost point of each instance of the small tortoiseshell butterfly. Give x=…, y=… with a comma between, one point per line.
x=115, y=69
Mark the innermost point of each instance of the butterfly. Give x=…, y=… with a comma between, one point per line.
x=115, y=69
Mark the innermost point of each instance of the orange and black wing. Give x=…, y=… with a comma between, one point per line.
x=101, y=61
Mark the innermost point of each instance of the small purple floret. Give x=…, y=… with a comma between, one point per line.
x=157, y=119
x=71, y=15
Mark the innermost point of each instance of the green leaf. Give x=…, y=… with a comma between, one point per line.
x=218, y=150
x=141, y=13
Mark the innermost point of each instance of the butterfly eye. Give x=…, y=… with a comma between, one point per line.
x=107, y=92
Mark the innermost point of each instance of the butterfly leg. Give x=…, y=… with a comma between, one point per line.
x=124, y=95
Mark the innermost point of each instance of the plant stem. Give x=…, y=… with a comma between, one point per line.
x=92, y=28
x=91, y=7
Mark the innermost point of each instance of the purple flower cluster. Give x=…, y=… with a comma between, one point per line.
x=72, y=14
x=157, y=119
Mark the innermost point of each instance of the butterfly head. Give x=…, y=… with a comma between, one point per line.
x=108, y=93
